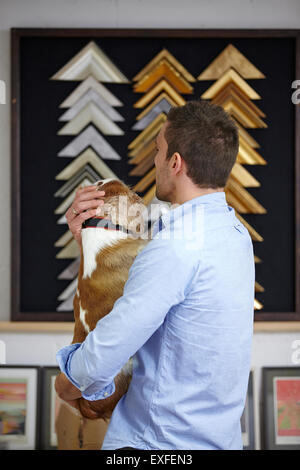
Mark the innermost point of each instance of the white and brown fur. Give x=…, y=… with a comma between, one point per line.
x=106, y=257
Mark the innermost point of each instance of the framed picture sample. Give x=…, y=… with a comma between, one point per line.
x=87, y=105
x=247, y=420
x=19, y=407
x=62, y=426
x=50, y=404
x=281, y=387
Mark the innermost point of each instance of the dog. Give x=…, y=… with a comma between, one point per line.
x=110, y=243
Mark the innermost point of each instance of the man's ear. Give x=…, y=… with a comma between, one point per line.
x=177, y=161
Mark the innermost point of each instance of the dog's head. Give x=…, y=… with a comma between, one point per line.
x=122, y=206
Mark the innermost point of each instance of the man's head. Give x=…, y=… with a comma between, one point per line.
x=196, y=150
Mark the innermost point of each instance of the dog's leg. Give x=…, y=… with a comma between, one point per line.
x=104, y=408
x=79, y=331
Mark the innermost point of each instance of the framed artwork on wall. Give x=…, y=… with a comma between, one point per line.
x=19, y=407
x=50, y=404
x=247, y=420
x=87, y=104
x=281, y=388
x=62, y=426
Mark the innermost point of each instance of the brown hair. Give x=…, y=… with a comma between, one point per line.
x=207, y=139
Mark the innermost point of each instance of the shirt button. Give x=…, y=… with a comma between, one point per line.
x=81, y=389
x=105, y=394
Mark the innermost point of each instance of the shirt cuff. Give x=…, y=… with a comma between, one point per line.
x=63, y=358
x=90, y=392
x=93, y=393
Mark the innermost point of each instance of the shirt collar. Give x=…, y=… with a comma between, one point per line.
x=217, y=197
x=170, y=216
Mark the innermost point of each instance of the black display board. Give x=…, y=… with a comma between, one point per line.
x=38, y=54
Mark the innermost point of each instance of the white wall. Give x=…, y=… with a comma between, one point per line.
x=269, y=349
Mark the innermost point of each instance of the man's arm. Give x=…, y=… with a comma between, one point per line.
x=158, y=279
x=65, y=389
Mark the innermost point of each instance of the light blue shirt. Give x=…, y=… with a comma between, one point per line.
x=186, y=317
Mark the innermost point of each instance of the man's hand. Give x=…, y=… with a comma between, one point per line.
x=85, y=205
x=65, y=389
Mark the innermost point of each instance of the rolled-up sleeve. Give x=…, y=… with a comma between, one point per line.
x=158, y=279
x=64, y=357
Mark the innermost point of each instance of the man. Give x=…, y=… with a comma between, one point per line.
x=186, y=314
